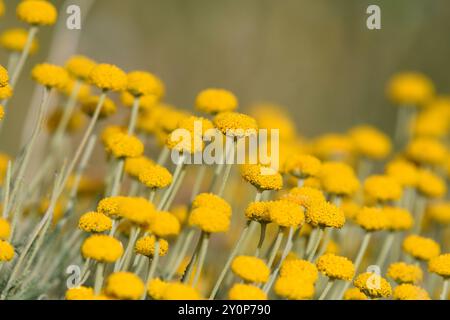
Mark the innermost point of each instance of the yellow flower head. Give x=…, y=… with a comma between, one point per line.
x=354, y=294
x=399, y=219
x=146, y=246
x=110, y=206
x=286, y=214
x=137, y=210
x=338, y=178
x=89, y=104
x=212, y=201
x=410, y=89
x=241, y=291
x=426, y=151
x=80, y=67
x=370, y=142
x=297, y=268
x=439, y=212
x=382, y=188
x=235, y=124
x=333, y=147
x=6, y=92
x=258, y=211
x=122, y=145
x=336, y=267
x=108, y=77
x=431, y=185
x=142, y=83
x=15, y=39
x=325, y=215
x=410, y=292
x=102, y=248
x=156, y=288
x=184, y=141
x=302, y=166
x=180, y=212
x=216, y=101
x=431, y=123
x=5, y=229
x=401, y=272
x=4, y=77
x=124, y=286
x=373, y=285
x=421, y=248
x=164, y=225
x=50, y=75
x=209, y=220
x=270, y=116
x=6, y=251
x=440, y=265
x=95, y=222
x=134, y=166
x=372, y=219
x=146, y=102
x=350, y=208
x=80, y=293
x=37, y=12
x=404, y=172
x=250, y=269
x=180, y=291
x=294, y=288
x=262, y=177
x=305, y=196
x=155, y=177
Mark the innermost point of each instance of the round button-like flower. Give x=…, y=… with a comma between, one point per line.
x=338, y=178
x=262, y=177
x=137, y=210
x=297, y=268
x=439, y=212
x=216, y=101
x=37, y=12
x=6, y=92
x=403, y=172
x=80, y=67
x=294, y=288
x=421, y=248
x=402, y=272
x=372, y=219
x=4, y=77
x=354, y=294
x=102, y=248
x=122, y=145
x=50, y=76
x=95, y=222
x=15, y=39
x=431, y=185
x=426, y=151
x=146, y=246
x=440, y=265
x=212, y=201
x=80, y=293
x=110, y=206
x=6, y=251
x=180, y=291
x=164, y=225
x=155, y=177
x=373, y=285
x=235, y=124
x=250, y=269
x=410, y=292
x=286, y=214
x=258, y=211
x=142, y=83
x=410, y=89
x=156, y=288
x=134, y=166
x=336, y=267
x=209, y=220
x=89, y=105
x=333, y=146
x=302, y=166
x=241, y=291
x=146, y=102
x=370, y=142
x=382, y=188
x=108, y=77
x=325, y=215
x=124, y=286
x=305, y=196
x=399, y=219
x=5, y=229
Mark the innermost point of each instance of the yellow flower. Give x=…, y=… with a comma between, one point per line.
x=15, y=40
x=146, y=246
x=95, y=222
x=246, y=292
x=102, y=248
x=269, y=117
x=250, y=269
x=216, y=101
x=122, y=145
x=338, y=178
x=180, y=291
x=146, y=102
x=333, y=147
x=75, y=122
x=354, y=294
x=80, y=293
x=286, y=214
x=235, y=124
x=426, y=151
x=297, y=268
x=373, y=285
x=439, y=212
x=89, y=104
x=262, y=177
x=164, y=225
x=209, y=220
x=4, y=77
x=134, y=166
x=370, y=142
x=294, y=288
x=401, y=272
x=155, y=177
x=110, y=206
x=142, y=83
x=382, y=188
x=258, y=211
x=336, y=267
x=372, y=219
x=108, y=77
x=80, y=67
x=6, y=251
x=137, y=210
x=410, y=89
x=304, y=196
x=431, y=123
x=404, y=172
x=37, y=12
x=6, y=92
x=5, y=229
x=302, y=166
x=212, y=201
x=184, y=141
x=180, y=212
x=350, y=208
x=399, y=219
x=325, y=215
x=410, y=292
x=431, y=185
x=156, y=288
x=124, y=286
x=421, y=248
x=440, y=265
x=50, y=76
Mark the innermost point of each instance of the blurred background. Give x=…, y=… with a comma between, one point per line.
x=315, y=57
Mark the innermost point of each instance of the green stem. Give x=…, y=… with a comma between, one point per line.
x=315, y=244
x=99, y=278
x=202, y=256
x=327, y=289
x=444, y=294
